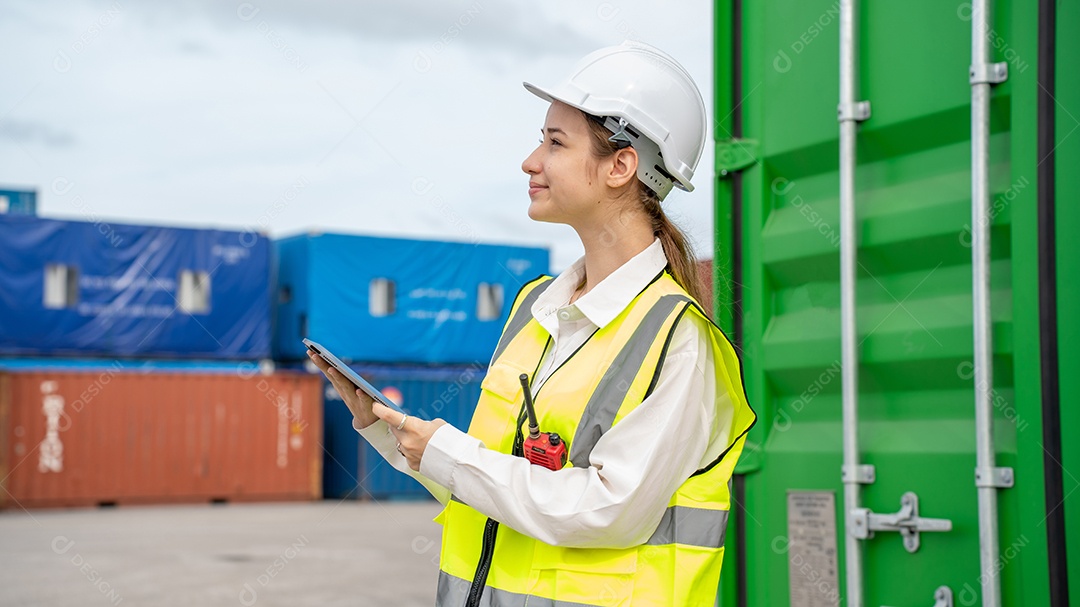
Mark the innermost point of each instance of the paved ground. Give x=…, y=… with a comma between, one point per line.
x=319, y=553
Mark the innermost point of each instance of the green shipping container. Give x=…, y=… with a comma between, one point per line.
x=778, y=294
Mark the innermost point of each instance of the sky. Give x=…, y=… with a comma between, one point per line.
x=401, y=118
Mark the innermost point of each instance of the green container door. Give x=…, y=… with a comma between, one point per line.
x=778, y=292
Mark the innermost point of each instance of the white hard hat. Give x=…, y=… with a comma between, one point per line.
x=648, y=100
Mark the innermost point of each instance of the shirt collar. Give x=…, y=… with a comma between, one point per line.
x=609, y=298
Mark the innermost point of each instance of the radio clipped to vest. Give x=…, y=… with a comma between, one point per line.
x=545, y=449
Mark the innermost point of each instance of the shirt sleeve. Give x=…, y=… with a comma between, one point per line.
x=380, y=437
x=619, y=499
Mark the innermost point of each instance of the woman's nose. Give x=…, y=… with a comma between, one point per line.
x=531, y=164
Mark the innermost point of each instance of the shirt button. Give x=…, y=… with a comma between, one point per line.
x=565, y=315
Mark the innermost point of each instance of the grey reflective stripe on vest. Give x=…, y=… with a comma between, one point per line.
x=454, y=591
x=692, y=527
x=608, y=397
x=520, y=319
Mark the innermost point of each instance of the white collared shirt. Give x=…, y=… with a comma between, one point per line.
x=635, y=467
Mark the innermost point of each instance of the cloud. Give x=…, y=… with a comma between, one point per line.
x=30, y=131
x=480, y=24
x=184, y=112
x=194, y=48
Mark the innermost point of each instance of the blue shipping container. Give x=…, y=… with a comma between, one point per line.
x=72, y=288
x=395, y=300
x=352, y=468
x=246, y=368
x=18, y=202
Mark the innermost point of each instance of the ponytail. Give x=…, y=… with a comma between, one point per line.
x=680, y=257
x=677, y=249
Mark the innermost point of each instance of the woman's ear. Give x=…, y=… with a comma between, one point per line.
x=623, y=167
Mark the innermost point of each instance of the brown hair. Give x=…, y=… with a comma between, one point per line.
x=680, y=257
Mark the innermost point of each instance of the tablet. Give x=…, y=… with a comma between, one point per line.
x=352, y=376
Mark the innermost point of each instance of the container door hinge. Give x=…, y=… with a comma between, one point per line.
x=863, y=474
x=1000, y=478
x=988, y=73
x=735, y=155
x=858, y=111
x=907, y=521
x=942, y=597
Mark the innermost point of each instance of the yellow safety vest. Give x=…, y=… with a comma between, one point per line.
x=603, y=381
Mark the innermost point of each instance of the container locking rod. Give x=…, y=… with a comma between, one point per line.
x=907, y=521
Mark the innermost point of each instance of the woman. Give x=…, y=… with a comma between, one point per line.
x=621, y=362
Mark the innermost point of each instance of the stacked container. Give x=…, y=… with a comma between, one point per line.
x=418, y=319
x=18, y=202
x=160, y=396
x=77, y=288
x=113, y=434
x=395, y=300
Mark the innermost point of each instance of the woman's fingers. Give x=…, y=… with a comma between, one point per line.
x=388, y=415
x=344, y=387
x=319, y=361
x=413, y=436
x=407, y=436
x=355, y=400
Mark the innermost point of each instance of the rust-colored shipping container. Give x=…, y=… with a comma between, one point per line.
x=705, y=273
x=115, y=437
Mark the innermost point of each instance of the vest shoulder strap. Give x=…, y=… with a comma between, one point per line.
x=521, y=311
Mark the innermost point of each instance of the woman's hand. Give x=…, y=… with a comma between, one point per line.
x=355, y=399
x=413, y=437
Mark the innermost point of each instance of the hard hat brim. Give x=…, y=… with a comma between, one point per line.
x=539, y=92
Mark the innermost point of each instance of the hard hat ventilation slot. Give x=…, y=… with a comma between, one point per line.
x=660, y=169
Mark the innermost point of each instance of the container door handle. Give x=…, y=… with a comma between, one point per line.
x=907, y=521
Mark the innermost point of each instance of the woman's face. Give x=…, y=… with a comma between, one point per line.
x=564, y=183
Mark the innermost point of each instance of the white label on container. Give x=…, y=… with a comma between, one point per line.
x=51, y=450
x=296, y=419
x=811, y=549
x=283, y=432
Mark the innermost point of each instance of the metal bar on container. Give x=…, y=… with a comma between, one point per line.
x=980, y=267
x=849, y=347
